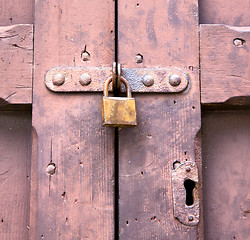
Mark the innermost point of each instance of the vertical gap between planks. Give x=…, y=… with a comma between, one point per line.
x=116, y=184
x=116, y=214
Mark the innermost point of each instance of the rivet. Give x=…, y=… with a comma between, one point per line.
x=238, y=42
x=85, y=79
x=174, y=80
x=188, y=169
x=139, y=58
x=51, y=168
x=58, y=79
x=148, y=80
x=190, y=218
x=85, y=56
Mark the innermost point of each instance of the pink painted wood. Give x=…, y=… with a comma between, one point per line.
x=16, y=50
x=165, y=33
x=77, y=201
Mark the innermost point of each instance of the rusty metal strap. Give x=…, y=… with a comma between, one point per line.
x=80, y=79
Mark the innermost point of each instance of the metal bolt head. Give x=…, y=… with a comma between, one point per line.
x=238, y=42
x=188, y=169
x=190, y=218
x=85, y=56
x=58, y=79
x=174, y=80
x=85, y=79
x=148, y=80
x=139, y=58
x=51, y=168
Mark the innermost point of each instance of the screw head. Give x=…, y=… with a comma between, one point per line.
x=51, y=168
x=85, y=79
x=58, y=79
x=238, y=42
x=139, y=58
x=188, y=169
x=85, y=56
x=148, y=80
x=190, y=218
x=174, y=80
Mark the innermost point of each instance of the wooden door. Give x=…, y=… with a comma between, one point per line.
x=64, y=176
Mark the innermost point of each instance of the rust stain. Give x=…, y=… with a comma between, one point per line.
x=150, y=27
x=172, y=13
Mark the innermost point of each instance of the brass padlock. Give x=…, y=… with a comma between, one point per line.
x=118, y=111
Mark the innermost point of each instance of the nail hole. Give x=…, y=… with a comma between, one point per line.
x=11, y=19
x=51, y=168
x=81, y=164
x=238, y=42
x=149, y=136
x=42, y=236
x=142, y=173
x=189, y=186
x=153, y=218
x=185, y=152
x=66, y=220
x=64, y=194
x=2, y=220
x=136, y=219
x=127, y=222
x=139, y=58
x=174, y=102
x=175, y=164
x=76, y=200
x=85, y=55
x=137, y=4
x=193, y=107
x=191, y=68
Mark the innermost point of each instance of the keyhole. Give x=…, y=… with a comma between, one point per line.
x=189, y=186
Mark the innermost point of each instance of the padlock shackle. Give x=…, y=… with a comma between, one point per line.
x=123, y=80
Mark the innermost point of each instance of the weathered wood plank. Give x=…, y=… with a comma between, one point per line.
x=76, y=202
x=226, y=174
x=16, y=50
x=16, y=12
x=165, y=33
x=235, y=13
x=225, y=68
x=15, y=142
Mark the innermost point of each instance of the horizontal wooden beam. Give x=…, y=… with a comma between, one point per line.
x=224, y=56
x=225, y=68
x=16, y=61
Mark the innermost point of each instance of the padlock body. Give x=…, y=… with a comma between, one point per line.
x=118, y=112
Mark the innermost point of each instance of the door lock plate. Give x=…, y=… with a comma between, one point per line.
x=91, y=79
x=185, y=193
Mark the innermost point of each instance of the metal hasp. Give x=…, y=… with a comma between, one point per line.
x=185, y=193
x=118, y=111
x=91, y=79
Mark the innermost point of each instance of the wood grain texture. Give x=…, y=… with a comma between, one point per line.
x=226, y=174
x=15, y=142
x=165, y=33
x=77, y=201
x=16, y=50
x=235, y=13
x=16, y=12
x=225, y=68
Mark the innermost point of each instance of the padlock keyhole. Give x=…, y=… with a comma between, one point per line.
x=189, y=186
